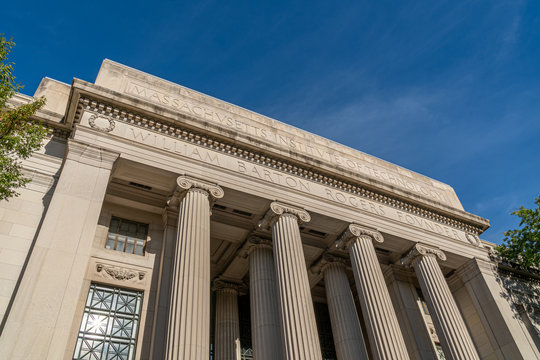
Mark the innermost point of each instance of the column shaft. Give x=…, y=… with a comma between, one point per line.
x=298, y=327
x=346, y=330
x=381, y=322
x=227, y=332
x=265, y=329
x=189, y=316
x=452, y=332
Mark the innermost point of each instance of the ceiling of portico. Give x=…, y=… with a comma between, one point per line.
x=235, y=217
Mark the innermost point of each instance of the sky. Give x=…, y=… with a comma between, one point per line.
x=449, y=89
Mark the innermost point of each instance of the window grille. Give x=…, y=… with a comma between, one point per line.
x=127, y=236
x=440, y=353
x=110, y=324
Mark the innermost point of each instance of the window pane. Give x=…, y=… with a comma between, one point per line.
x=120, y=244
x=109, y=325
x=140, y=247
x=127, y=236
x=130, y=245
x=111, y=238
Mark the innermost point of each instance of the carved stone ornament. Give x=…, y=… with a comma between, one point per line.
x=420, y=250
x=220, y=284
x=186, y=183
x=277, y=209
x=473, y=239
x=355, y=231
x=101, y=123
x=118, y=273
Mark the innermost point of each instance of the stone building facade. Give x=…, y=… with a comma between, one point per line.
x=162, y=223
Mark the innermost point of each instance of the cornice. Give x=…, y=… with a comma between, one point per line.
x=469, y=223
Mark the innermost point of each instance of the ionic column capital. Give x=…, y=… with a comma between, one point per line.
x=278, y=209
x=253, y=243
x=355, y=231
x=326, y=260
x=187, y=183
x=220, y=284
x=420, y=250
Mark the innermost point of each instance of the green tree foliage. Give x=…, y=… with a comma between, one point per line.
x=522, y=246
x=20, y=136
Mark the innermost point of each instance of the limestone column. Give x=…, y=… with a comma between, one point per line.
x=400, y=283
x=227, y=330
x=346, y=330
x=39, y=323
x=299, y=335
x=188, y=335
x=379, y=316
x=453, y=334
x=265, y=328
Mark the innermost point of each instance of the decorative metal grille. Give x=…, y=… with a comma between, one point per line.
x=127, y=236
x=440, y=352
x=110, y=324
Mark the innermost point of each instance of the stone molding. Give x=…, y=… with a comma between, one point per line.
x=355, y=231
x=175, y=130
x=221, y=284
x=187, y=183
x=91, y=155
x=419, y=250
x=278, y=209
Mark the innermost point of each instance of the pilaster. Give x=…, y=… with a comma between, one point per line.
x=39, y=323
x=505, y=329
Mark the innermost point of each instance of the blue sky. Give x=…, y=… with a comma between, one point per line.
x=449, y=89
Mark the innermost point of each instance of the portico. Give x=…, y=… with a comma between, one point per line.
x=262, y=240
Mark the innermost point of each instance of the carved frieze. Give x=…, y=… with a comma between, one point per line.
x=119, y=273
